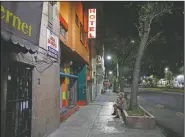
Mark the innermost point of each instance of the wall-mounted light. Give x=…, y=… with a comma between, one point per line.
x=71, y=63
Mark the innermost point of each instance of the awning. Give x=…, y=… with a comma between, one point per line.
x=20, y=23
x=32, y=48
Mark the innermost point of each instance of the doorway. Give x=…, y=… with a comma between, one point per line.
x=19, y=100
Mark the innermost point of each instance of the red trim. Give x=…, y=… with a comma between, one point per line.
x=63, y=22
x=82, y=103
x=69, y=113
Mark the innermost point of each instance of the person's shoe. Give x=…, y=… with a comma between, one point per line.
x=116, y=116
x=113, y=113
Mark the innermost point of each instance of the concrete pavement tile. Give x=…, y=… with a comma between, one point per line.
x=124, y=135
x=109, y=127
x=85, y=113
x=107, y=110
x=106, y=113
x=79, y=124
x=70, y=132
x=128, y=133
x=107, y=135
x=95, y=120
x=105, y=118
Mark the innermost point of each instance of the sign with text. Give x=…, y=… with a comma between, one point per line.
x=52, y=44
x=22, y=19
x=92, y=24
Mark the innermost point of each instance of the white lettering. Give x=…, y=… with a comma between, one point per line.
x=92, y=23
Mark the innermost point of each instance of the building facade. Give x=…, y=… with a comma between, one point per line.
x=30, y=91
x=78, y=56
x=74, y=65
x=48, y=65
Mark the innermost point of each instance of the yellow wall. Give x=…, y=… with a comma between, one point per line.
x=68, y=10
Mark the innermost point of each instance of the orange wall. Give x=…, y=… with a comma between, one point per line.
x=64, y=10
x=68, y=10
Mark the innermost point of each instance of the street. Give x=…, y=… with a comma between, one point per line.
x=168, y=108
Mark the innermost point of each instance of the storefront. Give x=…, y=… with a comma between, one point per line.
x=69, y=87
x=70, y=68
x=19, y=34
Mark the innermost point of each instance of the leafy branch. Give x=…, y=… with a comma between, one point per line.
x=154, y=38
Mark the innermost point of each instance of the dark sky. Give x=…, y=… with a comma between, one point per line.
x=121, y=19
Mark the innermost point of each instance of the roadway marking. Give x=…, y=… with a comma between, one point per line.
x=180, y=114
x=159, y=106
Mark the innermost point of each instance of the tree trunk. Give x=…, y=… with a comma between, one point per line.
x=136, y=71
x=121, y=80
x=114, y=85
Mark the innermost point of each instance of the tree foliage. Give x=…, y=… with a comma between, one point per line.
x=123, y=48
x=148, y=11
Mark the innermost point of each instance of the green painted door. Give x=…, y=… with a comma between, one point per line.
x=82, y=85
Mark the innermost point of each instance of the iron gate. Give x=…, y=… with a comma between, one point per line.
x=19, y=100
x=73, y=92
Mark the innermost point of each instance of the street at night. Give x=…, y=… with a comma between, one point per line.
x=92, y=69
x=168, y=108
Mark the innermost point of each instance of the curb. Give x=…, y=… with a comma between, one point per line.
x=69, y=113
x=82, y=103
x=165, y=92
x=140, y=122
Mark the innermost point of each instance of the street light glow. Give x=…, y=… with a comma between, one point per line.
x=110, y=72
x=132, y=41
x=166, y=69
x=109, y=57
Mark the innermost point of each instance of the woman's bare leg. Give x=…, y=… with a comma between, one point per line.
x=117, y=115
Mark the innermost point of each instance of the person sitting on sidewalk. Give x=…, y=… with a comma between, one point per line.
x=120, y=104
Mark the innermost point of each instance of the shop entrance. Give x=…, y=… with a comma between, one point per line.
x=19, y=100
x=82, y=84
x=73, y=92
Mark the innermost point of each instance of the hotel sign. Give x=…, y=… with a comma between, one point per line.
x=92, y=24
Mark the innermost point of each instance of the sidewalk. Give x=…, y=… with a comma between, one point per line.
x=95, y=120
